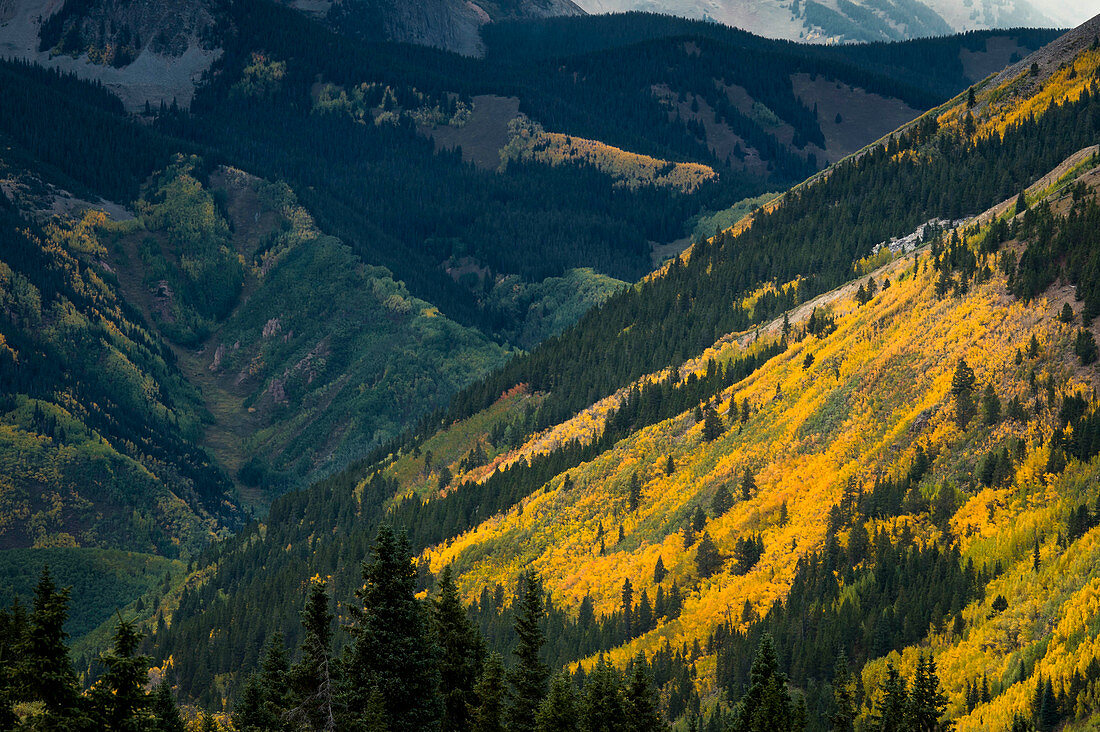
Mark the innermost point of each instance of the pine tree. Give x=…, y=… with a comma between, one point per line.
x=488, y=716
x=991, y=406
x=635, y=492
x=707, y=558
x=391, y=647
x=602, y=708
x=528, y=678
x=927, y=701
x=659, y=571
x=748, y=485
x=766, y=706
x=274, y=680
x=119, y=696
x=558, y=712
x=844, y=707
x=721, y=502
x=891, y=707
x=713, y=426
x=165, y=711
x=1021, y=203
x=462, y=654
x=312, y=677
x=641, y=711
x=962, y=388
x=251, y=713
x=44, y=672
x=670, y=466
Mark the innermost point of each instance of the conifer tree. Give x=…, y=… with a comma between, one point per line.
x=251, y=713
x=641, y=711
x=603, y=709
x=462, y=654
x=558, y=712
x=119, y=696
x=721, y=502
x=962, y=388
x=844, y=708
x=635, y=492
x=274, y=680
x=927, y=701
x=166, y=713
x=528, y=678
x=713, y=427
x=312, y=677
x=891, y=707
x=392, y=650
x=659, y=571
x=670, y=466
x=44, y=672
x=748, y=485
x=991, y=406
x=766, y=706
x=488, y=715
x=707, y=558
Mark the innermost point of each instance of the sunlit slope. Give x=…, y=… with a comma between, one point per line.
x=876, y=389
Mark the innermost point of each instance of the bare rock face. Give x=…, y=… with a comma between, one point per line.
x=453, y=25
x=142, y=50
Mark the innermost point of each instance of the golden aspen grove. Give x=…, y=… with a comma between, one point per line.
x=432, y=369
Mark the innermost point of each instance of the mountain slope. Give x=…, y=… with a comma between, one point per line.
x=846, y=425
x=830, y=22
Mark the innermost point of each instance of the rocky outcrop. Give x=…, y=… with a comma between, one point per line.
x=453, y=25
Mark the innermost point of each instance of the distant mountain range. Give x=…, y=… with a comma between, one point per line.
x=829, y=21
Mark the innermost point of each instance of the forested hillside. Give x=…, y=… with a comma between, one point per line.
x=895, y=453
x=835, y=463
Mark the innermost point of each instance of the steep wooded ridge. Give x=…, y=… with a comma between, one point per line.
x=281, y=294
x=896, y=466
x=235, y=218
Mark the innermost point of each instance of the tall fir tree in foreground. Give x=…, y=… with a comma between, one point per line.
x=392, y=650
x=529, y=676
x=313, y=678
x=462, y=654
x=767, y=705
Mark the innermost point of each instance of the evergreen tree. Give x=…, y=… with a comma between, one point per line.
x=670, y=466
x=462, y=654
x=721, y=502
x=391, y=647
x=962, y=388
x=44, y=672
x=312, y=677
x=119, y=695
x=927, y=701
x=528, y=678
x=1021, y=203
x=488, y=715
x=748, y=485
x=844, y=707
x=707, y=558
x=558, y=712
x=991, y=406
x=766, y=706
x=165, y=711
x=659, y=571
x=602, y=708
x=635, y=492
x=1085, y=347
x=641, y=711
x=251, y=713
x=713, y=426
x=891, y=707
x=274, y=681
